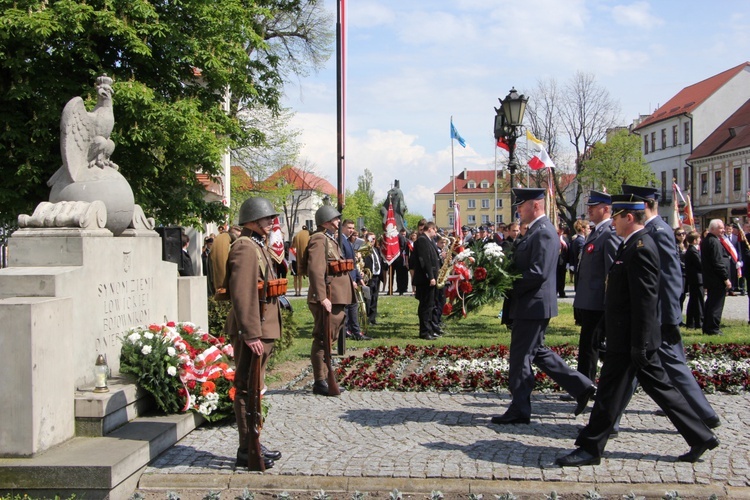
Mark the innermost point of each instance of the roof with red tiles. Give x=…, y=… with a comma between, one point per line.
x=463, y=179
x=302, y=180
x=211, y=184
x=692, y=96
x=731, y=135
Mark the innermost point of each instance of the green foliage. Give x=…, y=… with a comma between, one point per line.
x=217, y=315
x=615, y=162
x=169, y=121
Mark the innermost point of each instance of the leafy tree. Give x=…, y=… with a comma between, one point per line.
x=617, y=161
x=173, y=64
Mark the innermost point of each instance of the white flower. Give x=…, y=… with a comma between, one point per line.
x=180, y=345
x=493, y=251
x=134, y=337
x=171, y=351
x=171, y=371
x=146, y=350
x=464, y=255
x=148, y=335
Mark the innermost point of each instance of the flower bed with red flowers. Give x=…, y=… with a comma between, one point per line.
x=717, y=368
x=183, y=368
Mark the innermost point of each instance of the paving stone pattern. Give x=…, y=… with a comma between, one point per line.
x=449, y=436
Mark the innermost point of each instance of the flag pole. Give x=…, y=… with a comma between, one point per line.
x=453, y=166
x=494, y=221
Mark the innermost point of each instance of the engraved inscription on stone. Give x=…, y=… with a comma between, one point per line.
x=125, y=303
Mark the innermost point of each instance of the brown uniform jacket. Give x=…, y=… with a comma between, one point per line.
x=248, y=317
x=218, y=259
x=322, y=249
x=299, y=242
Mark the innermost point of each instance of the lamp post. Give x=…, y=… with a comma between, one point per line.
x=508, y=121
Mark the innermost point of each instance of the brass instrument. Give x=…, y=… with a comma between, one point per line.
x=447, y=267
x=364, y=251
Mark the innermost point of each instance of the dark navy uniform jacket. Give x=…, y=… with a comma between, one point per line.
x=597, y=255
x=632, y=296
x=535, y=257
x=670, y=282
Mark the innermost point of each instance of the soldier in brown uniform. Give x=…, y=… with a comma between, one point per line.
x=253, y=323
x=323, y=249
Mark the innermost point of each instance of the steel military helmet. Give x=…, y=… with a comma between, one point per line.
x=325, y=213
x=253, y=209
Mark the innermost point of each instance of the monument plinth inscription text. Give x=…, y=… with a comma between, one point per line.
x=125, y=304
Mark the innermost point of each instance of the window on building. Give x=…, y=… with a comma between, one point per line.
x=471, y=203
x=471, y=220
x=499, y=219
x=499, y=203
x=485, y=203
x=450, y=220
x=674, y=176
x=645, y=144
x=717, y=181
x=674, y=135
x=737, y=179
x=653, y=141
x=664, y=138
x=686, y=133
x=472, y=185
x=296, y=221
x=485, y=219
x=686, y=180
x=704, y=183
x=485, y=184
x=664, y=185
x=450, y=203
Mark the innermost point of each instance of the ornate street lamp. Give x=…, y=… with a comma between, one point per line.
x=508, y=121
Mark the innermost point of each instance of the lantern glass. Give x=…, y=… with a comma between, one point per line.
x=514, y=107
x=101, y=371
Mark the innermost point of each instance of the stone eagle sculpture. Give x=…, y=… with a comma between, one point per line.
x=84, y=136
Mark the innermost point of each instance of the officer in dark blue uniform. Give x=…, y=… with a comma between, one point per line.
x=633, y=336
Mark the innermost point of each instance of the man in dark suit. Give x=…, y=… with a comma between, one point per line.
x=597, y=256
x=671, y=351
x=352, y=326
x=716, y=278
x=427, y=265
x=534, y=303
x=633, y=336
x=186, y=263
x=374, y=263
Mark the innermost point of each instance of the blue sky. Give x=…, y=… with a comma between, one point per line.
x=412, y=64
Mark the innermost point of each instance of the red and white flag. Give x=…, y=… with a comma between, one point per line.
x=541, y=160
x=276, y=242
x=456, y=219
x=392, y=248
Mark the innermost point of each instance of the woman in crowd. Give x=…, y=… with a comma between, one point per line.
x=682, y=246
x=694, y=280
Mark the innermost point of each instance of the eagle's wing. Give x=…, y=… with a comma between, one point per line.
x=77, y=129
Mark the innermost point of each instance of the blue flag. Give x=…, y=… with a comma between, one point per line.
x=456, y=135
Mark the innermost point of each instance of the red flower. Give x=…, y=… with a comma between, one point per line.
x=204, y=337
x=188, y=329
x=480, y=274
x=465, y=287
x=447, y=309
x=154, y=328
x=191, y=384
x=171, y=324
x=208, y=387
x=222, y=340
x=232, y=391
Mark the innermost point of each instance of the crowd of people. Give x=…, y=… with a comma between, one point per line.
x=631, y=274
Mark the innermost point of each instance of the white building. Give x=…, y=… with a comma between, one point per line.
x=670, y=134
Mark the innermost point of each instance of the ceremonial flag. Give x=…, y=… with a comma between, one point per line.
x=689, y=220
x=392, y=247
x=276, y=242
x=502, y=144
x=541, y=160
x=532, y=138
x=456, y=219
x=456, y=135
x=676, y=222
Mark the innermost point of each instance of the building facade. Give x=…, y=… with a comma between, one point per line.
x=478, y=199
x=670, y=134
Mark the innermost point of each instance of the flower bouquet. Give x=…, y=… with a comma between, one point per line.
x=480, y=277
x=182, y=367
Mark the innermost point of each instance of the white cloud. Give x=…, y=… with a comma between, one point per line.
x=369, y=14
x=637, y=14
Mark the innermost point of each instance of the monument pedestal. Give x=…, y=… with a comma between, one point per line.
x=69, y=295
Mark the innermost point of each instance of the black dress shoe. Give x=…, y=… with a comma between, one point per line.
x=427, y=336
x=696, y=451
x=660, y=413
x=578, y=458
x=583, y=400
x=712, y=422
x=242, y=459
x=272, y=454
x=567, y=397
x=510, y=419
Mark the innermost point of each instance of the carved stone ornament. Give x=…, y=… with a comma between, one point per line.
x=77, y=214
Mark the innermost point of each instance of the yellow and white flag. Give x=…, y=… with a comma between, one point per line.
x=532, y=138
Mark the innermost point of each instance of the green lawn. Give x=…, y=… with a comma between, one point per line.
x=397, y=325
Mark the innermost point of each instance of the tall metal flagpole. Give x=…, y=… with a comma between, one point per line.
x=495, y=219
x=340, y=104
x=453, y=168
